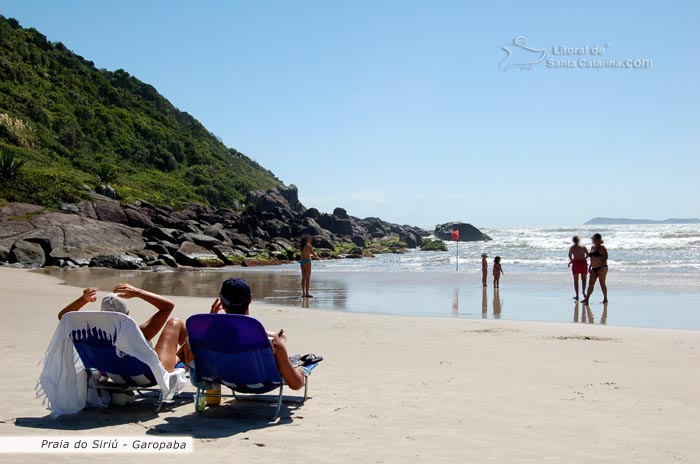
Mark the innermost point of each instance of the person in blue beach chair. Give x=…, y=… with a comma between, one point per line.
x=174, y=333
x=235, y=298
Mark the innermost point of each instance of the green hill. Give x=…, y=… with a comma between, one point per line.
x=75, y=124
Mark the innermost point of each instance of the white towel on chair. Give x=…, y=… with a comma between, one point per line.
x=63, y=380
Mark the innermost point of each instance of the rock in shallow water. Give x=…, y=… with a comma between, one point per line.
x=191, y=254
x=116, y=261
x=467, y=232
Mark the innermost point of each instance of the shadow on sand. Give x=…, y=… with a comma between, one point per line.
x=226, y=420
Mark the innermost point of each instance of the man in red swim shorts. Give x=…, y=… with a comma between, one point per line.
x=578, y=262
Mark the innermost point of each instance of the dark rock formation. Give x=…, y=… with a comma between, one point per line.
x=191, y=254
x=104, y=232
x=467, y=232
x=116, y=261
x=27, y=253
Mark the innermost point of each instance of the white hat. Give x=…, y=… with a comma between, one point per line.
x=114, y=302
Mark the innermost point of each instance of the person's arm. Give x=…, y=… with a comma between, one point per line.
x=152, y=326
x=89, y=296
x=293, y=376
x=604, y=252
x=314, y=254
x=571, y=255
x=585, y=251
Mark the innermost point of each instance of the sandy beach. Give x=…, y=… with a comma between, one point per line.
x=398, y=389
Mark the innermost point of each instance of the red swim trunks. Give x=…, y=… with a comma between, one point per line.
x=580, y=266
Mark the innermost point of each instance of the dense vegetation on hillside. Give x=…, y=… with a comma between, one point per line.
x=75, y=124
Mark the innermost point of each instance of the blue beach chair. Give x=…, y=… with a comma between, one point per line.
x=119, y=371
x=234, y=351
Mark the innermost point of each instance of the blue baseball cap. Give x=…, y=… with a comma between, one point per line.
x=235, y=293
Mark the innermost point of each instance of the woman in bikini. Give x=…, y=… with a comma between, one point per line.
x=307, y=253
x=598, y=268
x=578, y=262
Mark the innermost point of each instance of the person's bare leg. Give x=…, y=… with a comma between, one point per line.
x=591, y=287
x=576, y=286
x=308, y=280
x=603, y=285
x=174, y=334
x=583, y=284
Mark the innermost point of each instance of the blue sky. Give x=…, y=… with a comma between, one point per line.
x=398, y=110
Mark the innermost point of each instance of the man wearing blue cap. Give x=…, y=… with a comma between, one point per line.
x=235, y=298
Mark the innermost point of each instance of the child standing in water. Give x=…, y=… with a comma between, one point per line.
x=307, y=253
x=484, y=268
x=497, y=271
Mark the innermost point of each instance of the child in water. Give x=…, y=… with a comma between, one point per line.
x=484, y=268
x=307, y=252
x=497, y=271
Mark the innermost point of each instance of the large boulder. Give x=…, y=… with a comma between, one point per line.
x=202, y=240
x=161, y=233
x=110, y=212
x=116, y=261
x=342, y=227
x=229, y=255
x=323, y=241
x=467, y=232
x=340, y=213
x=4, y=254
x=27, y=254
x=17, y=211
x=277, y=228
x=72, y=237
x=241, y=240
x=359, y=240
x=312, y=227
x=137, y=218
x=191, y=254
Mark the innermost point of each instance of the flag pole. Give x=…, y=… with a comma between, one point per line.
x=457, y=270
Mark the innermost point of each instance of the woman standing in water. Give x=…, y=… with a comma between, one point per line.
x=578, y=255
x=307, y=253
x=598, y=269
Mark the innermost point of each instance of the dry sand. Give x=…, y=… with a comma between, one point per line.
x=399, y=389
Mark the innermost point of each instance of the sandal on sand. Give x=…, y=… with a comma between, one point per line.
x=309, y=359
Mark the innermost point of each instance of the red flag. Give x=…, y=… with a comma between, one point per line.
x=455, y=235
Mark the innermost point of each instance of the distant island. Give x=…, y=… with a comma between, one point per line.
x=609, y=221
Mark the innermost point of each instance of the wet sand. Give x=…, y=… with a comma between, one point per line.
x=399, y=389
x=533, y=296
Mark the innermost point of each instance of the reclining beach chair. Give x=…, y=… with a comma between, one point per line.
x=112, y=349
x=234, y=351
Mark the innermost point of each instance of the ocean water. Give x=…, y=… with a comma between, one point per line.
x=653, y=280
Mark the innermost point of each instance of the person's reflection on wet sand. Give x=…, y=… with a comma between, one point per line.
x=587, y=315
x=455, y=301
x=484, y=304
x=497, y=304
x=604, y=316
x=305, y=303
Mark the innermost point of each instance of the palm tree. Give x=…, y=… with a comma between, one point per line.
x=10, y=166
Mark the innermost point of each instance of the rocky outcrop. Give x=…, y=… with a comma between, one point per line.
x=103, y=232
x=27, y=253
x=467, y=232
x=62, y=237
